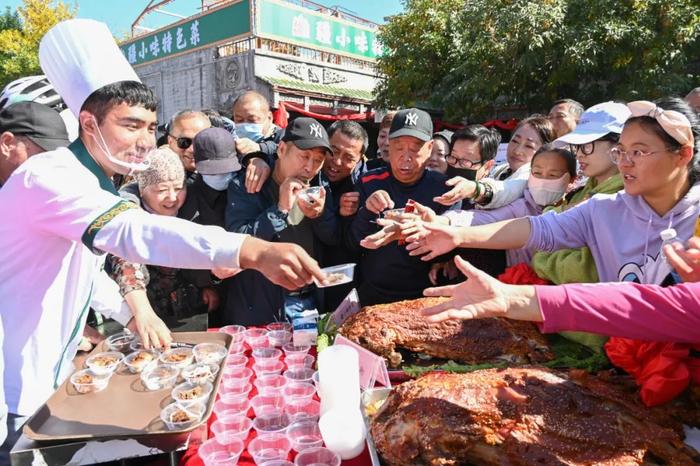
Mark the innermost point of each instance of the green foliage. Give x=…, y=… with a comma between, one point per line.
x=473, y=57
x=10, y=20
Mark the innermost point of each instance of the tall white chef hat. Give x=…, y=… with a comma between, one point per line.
x=80, y=56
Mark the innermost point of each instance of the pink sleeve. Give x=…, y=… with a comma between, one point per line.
x=646, y=312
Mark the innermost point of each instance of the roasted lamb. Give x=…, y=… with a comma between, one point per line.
x=520, y=416
x=386, y=327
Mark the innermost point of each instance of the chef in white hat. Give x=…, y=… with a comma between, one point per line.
x=60, y=214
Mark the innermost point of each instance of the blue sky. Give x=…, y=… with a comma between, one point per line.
x=119, y=14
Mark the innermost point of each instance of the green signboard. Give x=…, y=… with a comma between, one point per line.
x=289, y=23
x=206, y=29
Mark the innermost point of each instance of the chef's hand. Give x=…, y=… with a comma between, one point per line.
x=91, y=337
x=379, y=201
x=289, y=189
x=432, y=240
x=211, y=298
x=256, y=173
x=152, y=330
x=462, y=188
x=483, y=296
x=246, y=146
x=349, y=203
x=284, y=264
x=686, y=261
x=313, y=208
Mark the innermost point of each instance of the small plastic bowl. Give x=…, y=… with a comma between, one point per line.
x=279, y=338
x=215, y=453
x=211, y=353
x=298, y=391
x=270, y=384
x=240, y=373
x=268, y=367
x=256, y=338
x=237, y=332
x=310, y=194
x=265, y=403
x=271, y=422
x=87, y=381
x=225, y=410
x=177, y=357
x=264, y=354
x=237, y=348
x=139, y=359
x=304, y=435
x=236, y=427
x=235, y=360
x=268, y=447
x=275, y=326
x=187, y=394
x=200, y=372
x=393, y=214
x=292, y=350
x=337, y=275
x=121, y=341
x=178, y=417
x=297, y=362
x=104, y=363
x=300, y=375
x=317, y=456
x=159, y=376
x=303, y=409
x=235, y=388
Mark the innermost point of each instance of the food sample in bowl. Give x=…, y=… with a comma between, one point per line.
x=121, y=341
x=337, y=275
x=139, y=359
x=86, y=381
x=211, y=353
x=176, y=417
x=178, y=357
x=104, y=363
x=187, y=393
x=200, y=373
x=159, y=376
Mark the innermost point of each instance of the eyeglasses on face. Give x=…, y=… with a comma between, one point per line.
x=461, y=163
x=182, y=143
x=617, y=154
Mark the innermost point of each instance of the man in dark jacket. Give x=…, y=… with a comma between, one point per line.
x=389, y=273
x=283, y=210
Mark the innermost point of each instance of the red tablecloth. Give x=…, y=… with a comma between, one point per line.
x=191, y=456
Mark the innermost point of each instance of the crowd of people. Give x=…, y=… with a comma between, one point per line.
x=229, y=220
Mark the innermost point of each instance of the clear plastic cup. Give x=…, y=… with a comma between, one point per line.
x=316, y=380
x=121, y=341
x=303, y=409
x=200, y=372
x=237, y=348
x=157, y=376
x=270, y=384
x=297, y=362
x=271, y=422
x=264, y=354
x=104, y=363
x=235, y=360
x=229, y=408
x=393, y=214
x=278, y=338
x=269, y=447
x=177, y=357
x=256, y=338
x=237, y=332
x=277, y=463
x=178, y=417
x=139, y=359
x=187, y=394
x=276, y=326
x=298, y=391
x=304, y=434
x=235, y=388
x=211, y=353
x=266, y=403
x=318, y=456
x=337, y=275
x=291, y=350
x=240, y=373
x=300, y=375
x=215, y=453
x=86, y=381
x=268, y=366
x=235, y=427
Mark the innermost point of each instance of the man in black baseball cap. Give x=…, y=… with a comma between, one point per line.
x=26, y=129
x=285, y=209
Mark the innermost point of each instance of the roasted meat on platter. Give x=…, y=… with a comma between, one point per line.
x=520, y=416
x=386, y=327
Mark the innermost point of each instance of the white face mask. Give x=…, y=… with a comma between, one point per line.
x=218, y=182
x=547, y=192
x=129, y=166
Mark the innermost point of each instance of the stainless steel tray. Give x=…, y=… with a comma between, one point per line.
x=369, y=398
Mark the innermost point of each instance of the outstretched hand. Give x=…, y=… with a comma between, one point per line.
x=433, y=240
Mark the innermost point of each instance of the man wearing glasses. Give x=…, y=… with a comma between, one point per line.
x=182, y=129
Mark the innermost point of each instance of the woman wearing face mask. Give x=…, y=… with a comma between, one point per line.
x=598, y=132
x=506, y=182
x=182, y=305
x=657, y=157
